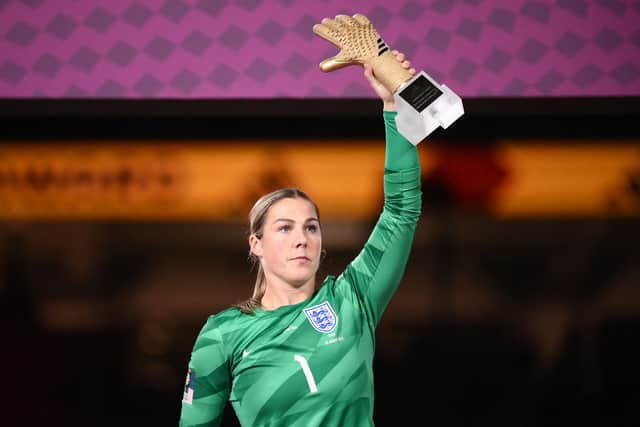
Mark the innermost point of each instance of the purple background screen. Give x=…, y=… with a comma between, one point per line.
x=242, y=49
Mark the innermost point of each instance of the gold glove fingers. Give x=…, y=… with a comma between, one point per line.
x=355, y=36
x=360, y=44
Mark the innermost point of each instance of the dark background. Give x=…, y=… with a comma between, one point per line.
x=499, y=322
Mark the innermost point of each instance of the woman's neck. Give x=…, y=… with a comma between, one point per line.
x=277, y=295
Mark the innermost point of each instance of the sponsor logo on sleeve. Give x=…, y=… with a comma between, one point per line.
x=189, y=386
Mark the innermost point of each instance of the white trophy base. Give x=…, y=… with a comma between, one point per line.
x=415, y=124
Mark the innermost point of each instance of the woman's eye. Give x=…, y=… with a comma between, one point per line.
x=284, y=228
x=312, y=228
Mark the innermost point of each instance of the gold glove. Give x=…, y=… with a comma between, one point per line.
x=360, y=43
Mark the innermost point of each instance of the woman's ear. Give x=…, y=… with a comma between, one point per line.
x=255, y=245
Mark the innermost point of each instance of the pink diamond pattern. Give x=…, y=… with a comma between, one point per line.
x=266, y=48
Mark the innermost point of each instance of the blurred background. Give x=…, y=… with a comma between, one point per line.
x=135, y=135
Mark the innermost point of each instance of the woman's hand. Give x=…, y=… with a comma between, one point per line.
x=382, y=92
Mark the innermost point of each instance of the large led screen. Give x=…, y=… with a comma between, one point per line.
x=242, y=49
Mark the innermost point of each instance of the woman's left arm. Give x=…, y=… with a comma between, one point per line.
x=376, y=272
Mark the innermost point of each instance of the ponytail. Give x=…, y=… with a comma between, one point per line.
x=249, y=306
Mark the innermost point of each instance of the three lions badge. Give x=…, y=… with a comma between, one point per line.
x=322, y=317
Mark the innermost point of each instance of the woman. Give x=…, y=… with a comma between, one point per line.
x=298, y=354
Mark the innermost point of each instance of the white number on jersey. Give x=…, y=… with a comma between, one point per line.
x=307, y=372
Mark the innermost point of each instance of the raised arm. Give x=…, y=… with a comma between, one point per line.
x=376, y=272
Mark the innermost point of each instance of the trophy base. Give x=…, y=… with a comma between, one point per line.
x=423, y=105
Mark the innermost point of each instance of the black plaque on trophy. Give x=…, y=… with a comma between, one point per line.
x=420, y=93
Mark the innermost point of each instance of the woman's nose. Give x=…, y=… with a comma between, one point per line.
x=300, y=238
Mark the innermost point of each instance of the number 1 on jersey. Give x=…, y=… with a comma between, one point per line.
x=307, y=372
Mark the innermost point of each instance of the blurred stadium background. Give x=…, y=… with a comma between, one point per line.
x=136, y=135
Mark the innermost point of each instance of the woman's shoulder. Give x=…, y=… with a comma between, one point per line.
x=222, y=319
x=228, y=320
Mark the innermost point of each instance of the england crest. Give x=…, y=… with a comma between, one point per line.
x=322, y=317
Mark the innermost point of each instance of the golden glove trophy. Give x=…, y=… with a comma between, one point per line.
x=422, y=103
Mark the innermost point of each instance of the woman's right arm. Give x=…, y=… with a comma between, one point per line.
x=208, y=381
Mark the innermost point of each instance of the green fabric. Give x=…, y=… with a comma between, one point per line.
x=257, y=361
x=400, y=153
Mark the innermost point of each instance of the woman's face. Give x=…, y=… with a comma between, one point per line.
x=291, y=242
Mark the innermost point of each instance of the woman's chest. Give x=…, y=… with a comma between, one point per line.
x=309, y=357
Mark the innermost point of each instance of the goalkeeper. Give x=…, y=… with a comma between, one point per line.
x=300, y=352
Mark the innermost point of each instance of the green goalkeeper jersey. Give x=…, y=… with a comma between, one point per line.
x=311, y=364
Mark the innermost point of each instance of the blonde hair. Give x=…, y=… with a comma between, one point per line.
x=257, y=216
